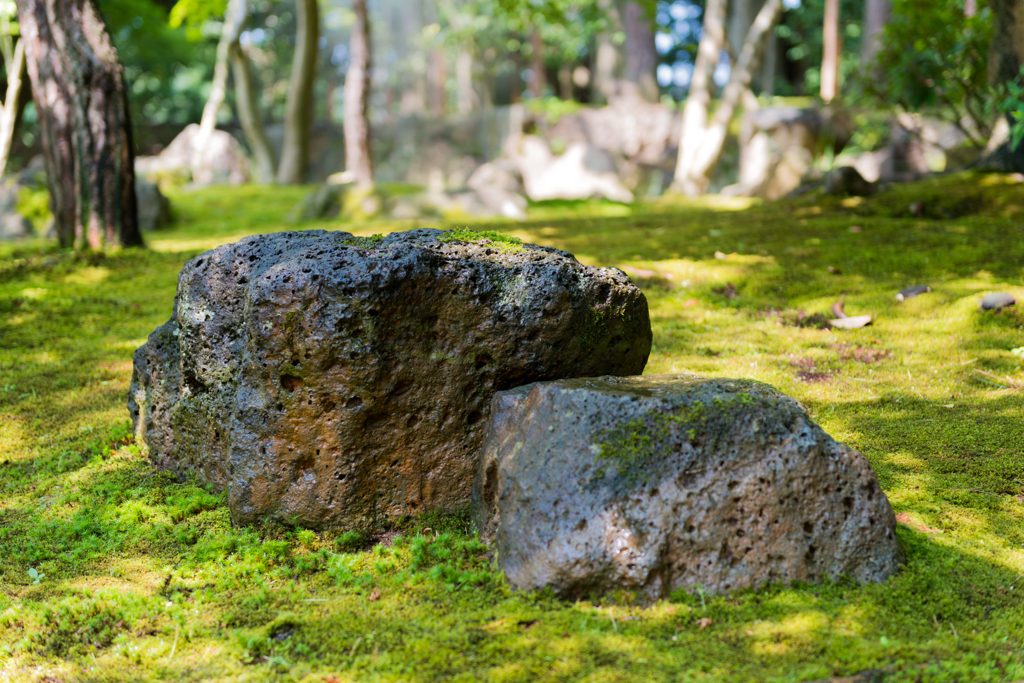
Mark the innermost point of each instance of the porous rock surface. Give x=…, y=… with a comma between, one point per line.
x=652, y=484
x=325, y=379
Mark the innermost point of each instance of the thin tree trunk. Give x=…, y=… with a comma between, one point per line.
x=438, y=78
x=1006, y=53
x=695, y=112
x=82, y=105
x=464, y=76
x=830, y=52
x=607, y=60
x=876, y=16
x=298, y=117
x=234, y=20
x=9, y=115
x=713, y=140
x=249, y=116
x=641, y=55
x=537, y=65
x=565, y=81
x=358, y=161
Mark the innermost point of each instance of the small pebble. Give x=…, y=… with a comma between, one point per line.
x=911, y=292
x=997, y=301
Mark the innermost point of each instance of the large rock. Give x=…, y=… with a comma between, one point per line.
x=154, y=207
x=581, y=172
x=325, y=379
x=658, y=483
x=223, y=160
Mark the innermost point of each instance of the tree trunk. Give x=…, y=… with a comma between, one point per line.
x=713, y=140
x=830, y=52
x=358, y=161
x=9, y=114
x=249, y=116
x=537, y=65
x=641, y=55
x=464, y=76
x=876, y=16
x=298, y=115
x=695, y=112
x=82, y=105
x=438, y=79
x=234, y=20
x=1006, y=55
x=607, y=60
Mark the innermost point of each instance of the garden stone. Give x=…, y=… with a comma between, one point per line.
x=653, y=484
x=154, y=207
x=330, y=380
x=997, y=301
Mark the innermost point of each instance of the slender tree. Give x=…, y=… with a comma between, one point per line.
x=710, y=143
x=298, y=120
x=830, y=52
x=9, y=113
x=695, y=112
x=641, y=56
x=249, y=115
x=876, y=16
x=358, y=161
x=81, y=100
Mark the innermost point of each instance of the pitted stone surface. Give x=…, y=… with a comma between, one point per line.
x=324, y=379
x=657, y=483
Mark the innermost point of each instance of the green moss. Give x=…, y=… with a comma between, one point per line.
x=369, y=243
x=34, y=204
x=499, y=241
x=637, y=450
x=199, y=598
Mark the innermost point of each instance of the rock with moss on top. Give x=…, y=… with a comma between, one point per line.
x=325, y=379
x=655, y=484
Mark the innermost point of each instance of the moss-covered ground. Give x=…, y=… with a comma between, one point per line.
x=113, y=571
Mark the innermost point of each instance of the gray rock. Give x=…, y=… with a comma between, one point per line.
x=997, y=301
x=846, y=181
x=653, y=484
x=154, y=207
x=223, y=159
x=13, y=225
x=911, y=292
x=324, y=201
x=324, y=379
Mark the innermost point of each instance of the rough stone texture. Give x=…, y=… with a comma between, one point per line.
x=325, y=380
x=652, y=484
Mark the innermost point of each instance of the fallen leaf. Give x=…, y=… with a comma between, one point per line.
x=704, y=623
x=720, y=256
x=834, y=270
x=690, y=303
x=853, y=323
x=494, y=624
x=375, y=595
x=837, y=310
x=855, y=228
